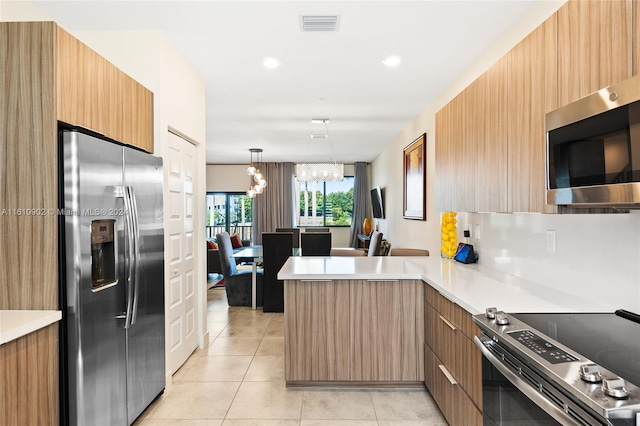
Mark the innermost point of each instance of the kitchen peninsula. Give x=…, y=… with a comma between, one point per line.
x=361, y=320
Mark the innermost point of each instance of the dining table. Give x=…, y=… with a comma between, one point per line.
x=254, y=253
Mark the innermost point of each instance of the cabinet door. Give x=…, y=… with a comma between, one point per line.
x=317, y=330
x=532, y=93
x=594, y=46
x=443, y=162
x=94, y=94
x=387, y=333
x=29, y=164
x=636, y=37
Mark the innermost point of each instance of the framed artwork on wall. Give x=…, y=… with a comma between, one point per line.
x=414, y=182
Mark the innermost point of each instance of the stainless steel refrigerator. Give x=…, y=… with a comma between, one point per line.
x=111, y=280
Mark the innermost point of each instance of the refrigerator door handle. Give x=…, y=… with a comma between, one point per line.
x=129, y=256
x=136, y=253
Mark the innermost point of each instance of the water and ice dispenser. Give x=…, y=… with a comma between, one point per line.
x=103, y=256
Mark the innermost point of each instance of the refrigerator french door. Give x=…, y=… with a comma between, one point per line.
x=112, y=280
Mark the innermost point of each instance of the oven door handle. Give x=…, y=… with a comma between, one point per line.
x=523, y=386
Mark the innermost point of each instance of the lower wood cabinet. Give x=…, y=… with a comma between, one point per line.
x=359, y=331
x=29, y=377
x=453, y=364
x=316, y=330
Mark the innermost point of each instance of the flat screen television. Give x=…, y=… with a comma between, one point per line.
x=376, y=203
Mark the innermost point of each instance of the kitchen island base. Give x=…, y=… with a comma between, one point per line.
x=366, y=333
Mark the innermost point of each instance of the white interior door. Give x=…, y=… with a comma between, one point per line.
x=181, y=165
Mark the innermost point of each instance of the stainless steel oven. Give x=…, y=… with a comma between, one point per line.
x=567, y=369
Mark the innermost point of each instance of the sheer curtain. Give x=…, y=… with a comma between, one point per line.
x=360, y=201
x=274, y=207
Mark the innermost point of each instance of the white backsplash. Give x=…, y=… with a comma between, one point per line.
x=597, y=256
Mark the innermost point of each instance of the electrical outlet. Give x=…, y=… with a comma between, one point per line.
x=550, y=242
x=476, y=231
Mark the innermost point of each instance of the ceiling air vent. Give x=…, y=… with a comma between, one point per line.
x=319, y=22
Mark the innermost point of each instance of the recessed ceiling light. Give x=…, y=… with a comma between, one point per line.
x=319, y=136
x=271, y=62
x=392, y=61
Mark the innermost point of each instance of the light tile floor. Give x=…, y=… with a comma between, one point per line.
x=239, y=381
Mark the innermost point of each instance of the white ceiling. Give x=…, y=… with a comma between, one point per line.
x=336, y=75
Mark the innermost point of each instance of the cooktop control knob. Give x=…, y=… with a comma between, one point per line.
x=590, y=373
x=502, y=318
x=491, y=313
x=615, y=388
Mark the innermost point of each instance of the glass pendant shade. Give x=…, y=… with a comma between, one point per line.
x=319, y=172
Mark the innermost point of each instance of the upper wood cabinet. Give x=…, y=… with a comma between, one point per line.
x=531, y=93
x=93, y=93
x=491, y=125
x=635, y=44
x=594, y=46
x=583, y=47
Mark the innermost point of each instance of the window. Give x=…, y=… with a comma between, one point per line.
x=231, y=212
x=325, y=203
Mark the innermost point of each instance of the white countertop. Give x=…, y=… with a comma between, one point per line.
x=15, y=324
x=473, y=287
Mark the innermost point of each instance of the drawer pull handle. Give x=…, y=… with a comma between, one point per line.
x=448, y=375
x=451, y=326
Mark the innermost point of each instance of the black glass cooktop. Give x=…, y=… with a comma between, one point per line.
x=606, y=339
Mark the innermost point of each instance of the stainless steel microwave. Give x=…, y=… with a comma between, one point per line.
x=593, y=149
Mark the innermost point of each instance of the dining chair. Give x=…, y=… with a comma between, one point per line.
x=408, y=252
x=276, y=247
x=317, y=230
x=237, y=283
x=296, y=235
x=316, y=243
x=375, y=245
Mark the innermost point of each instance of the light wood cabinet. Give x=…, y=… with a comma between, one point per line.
x=29, y=378
x=636, y=37
x=354, y=331
x=583, y=47
x=94, y=94
x=531, y=94
x=453, y=364
x=28, y=160
x=492, y=149
x=386, y=331
x=594, y=46
x=317, y=331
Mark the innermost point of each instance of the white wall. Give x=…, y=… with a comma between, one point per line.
x=596, y=256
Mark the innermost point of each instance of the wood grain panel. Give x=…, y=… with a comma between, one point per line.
x=532, y=93
x=594, y=46
x=29, y=377
x=316, y=330
x=94, y=94
x=467, y=368
x=28, y=159
x=492, y=152
x=385, y=322
x=442, y=160
x=635, y=43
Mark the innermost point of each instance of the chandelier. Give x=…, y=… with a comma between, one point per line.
x=260, y=182
x=320, y=172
